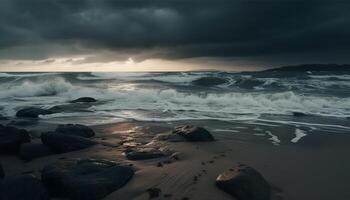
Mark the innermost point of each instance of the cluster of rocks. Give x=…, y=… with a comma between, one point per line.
x=65, y=138
x=79, y=179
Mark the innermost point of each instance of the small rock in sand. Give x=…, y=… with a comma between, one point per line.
x=194, y=134
x=75, y=129
x=84, y=100
x=244, y=183
x=11, y=139
x=23, y=187
x=145, y=153
x=85, y=179
x=153, y=192
x=29, y=151
x=60, y=143
x=32, y=112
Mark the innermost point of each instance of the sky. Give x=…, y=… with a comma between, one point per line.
x=171, y=35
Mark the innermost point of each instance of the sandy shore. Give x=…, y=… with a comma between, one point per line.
x=317, y=168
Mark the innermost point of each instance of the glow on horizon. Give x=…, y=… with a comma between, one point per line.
x=77, y=64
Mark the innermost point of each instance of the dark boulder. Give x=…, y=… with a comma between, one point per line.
x=11, y=139
x=60, y=143
x=85, y=179
x=84, y=100
x=23, y=188
x=210, y=81
x=29, y=151
x=144, y=154
x=32, y=112
x=75, y=129
x=244, y=183
x=194, y=134
x=2, y=173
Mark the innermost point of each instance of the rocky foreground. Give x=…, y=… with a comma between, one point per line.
x=81, y=177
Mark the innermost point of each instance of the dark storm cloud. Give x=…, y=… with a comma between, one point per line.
x=176, y=28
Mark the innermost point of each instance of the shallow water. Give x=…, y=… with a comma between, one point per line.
x=255, y=98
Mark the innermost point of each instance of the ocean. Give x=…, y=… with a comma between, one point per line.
x=305, y=102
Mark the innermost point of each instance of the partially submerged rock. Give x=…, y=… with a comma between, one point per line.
x=69, y=108
x=244, y=183
x=61, y=143
x=32, y=112
x=23, y=188
x=170, y=137
x=193, y=133
x=11, y=139
x=75, y=129
x=22, y=123
x=84, y=100
x=85, y=179
x=299, y=114
x=144, y=154
x=2, y=173
x=29, y=151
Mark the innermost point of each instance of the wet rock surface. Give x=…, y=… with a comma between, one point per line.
x=11, y=139
x=75, y=129
x=32, y=112
x=193, y=133
x=244, y=183
x=84, y=100
x=23, y=188
x=61, y=143
x=144, y=154
x=85, y=179
x=30, y=151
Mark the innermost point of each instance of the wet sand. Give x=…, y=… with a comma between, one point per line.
x=315, y=168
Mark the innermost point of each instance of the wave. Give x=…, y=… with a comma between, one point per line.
x=25, y=74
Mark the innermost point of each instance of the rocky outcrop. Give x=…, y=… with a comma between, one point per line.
x=244, y=183
x=193, y=134
x=32, y=112
x=11, y=139
x=61, y=143
x=75, y=129
x=85, y=179
x=30, y=151
x=84, y=100
x=23, y=188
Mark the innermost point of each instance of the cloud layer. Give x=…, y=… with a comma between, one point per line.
x=174, y=29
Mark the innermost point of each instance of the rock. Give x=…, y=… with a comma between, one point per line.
x=61, y=143
x=244, y=183
x=23, y=188
x=11, y=139
x=154, y=192
x=2, y=173
x=194, y=134
x=210, y=81
x=170, y=137
x=84, y=100
x=85, y=179
x=144, y=154
x=69, y=108
x=32, y=112
x=30, y=151
x=299, y=114
x=75, y=129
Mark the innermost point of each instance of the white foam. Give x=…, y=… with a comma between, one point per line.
x=273, y=138
x=298, y=135
x=343, y=77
